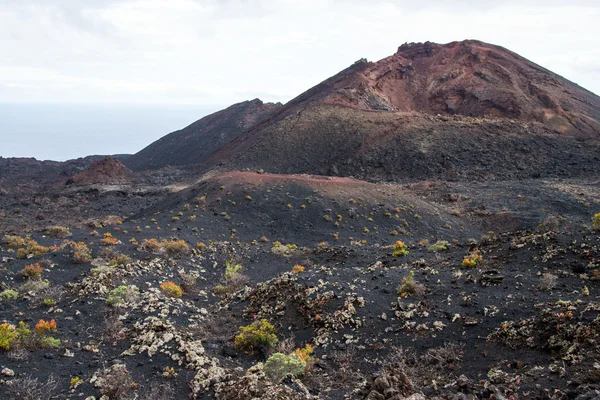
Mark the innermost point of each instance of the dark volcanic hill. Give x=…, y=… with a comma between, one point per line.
x=107, y=171
x=198, y=141
x=461, y=110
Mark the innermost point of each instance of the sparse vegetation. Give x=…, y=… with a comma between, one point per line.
x=297, y=269
x=548, y=281
x=473, y=259
x=8, y=294
x=439, y=246
x=410, y=287
x=170, y=289
x=258, y=336
x=32, y=271
x=596, y=221
x=122, y=295
x=58, y=231
x=400, y=249
x=176, y=248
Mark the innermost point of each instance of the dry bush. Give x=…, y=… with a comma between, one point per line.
x=158, y=391
x=114, y=382
x=346, y=374
x=217, y=329
x=58, y=231
x=108, y=252
x=18, y=354
x=286, y=346
x=28, y=388
x=112, y=324
x=53, y=293
x=548, y=281
x=188, y=282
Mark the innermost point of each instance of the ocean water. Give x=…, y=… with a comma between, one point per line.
x=65, y=131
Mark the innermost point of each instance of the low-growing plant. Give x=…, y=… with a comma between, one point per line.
x=472, y=260
x=32, y=271
x=76, y=381
x=297, y=269
x=8, y=334
x=151, y=245
x=45, y=327
x=400, y=249
x=58, y=231
x=81, y=253
x=409, y=287
x=233, y=279
x=176, y=248
x=28, y=388
x=280, y=365
x=8, y=294
x=49, y=302
x=109, y=240
x=120, y=260
x=171, y=289
x=439, y=246
x=548, y=281
x=596, y=221
x=32, y=249
x=258, y=336
x=13, y=241
x=122, y=295
x=201, y=246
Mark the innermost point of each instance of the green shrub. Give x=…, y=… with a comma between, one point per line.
x=8, y=335
x=440, y=245
x=280, y=365
x=596, y=221
x=8, y=294
x=410, y=287
x=400, y=249
x=11, y=335
x=256, y=336
x=122, y=295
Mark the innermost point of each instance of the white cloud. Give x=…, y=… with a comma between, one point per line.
x=220, y=52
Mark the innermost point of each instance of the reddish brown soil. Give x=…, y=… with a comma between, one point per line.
x=108, y=171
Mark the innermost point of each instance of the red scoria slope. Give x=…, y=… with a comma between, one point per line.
x=108, y=171
x=469, y=78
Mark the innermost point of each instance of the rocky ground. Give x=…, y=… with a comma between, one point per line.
x=316, y=260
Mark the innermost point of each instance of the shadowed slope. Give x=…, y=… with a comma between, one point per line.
x=195, y=143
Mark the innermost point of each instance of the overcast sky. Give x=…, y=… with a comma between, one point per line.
x=202, y=54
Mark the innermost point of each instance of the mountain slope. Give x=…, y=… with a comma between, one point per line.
x=195, y=143
x=106, y=171
x=457, y=111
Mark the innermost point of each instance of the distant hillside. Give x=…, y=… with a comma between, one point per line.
x=107, y=171
x=462, y=110
x=198, y=141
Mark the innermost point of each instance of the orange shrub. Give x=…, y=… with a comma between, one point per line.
x=108, y=240
x=297, y=269
x=171, y=289
x=44, y=327
x=176, y=247
x=33, y=271
x=151, y=245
